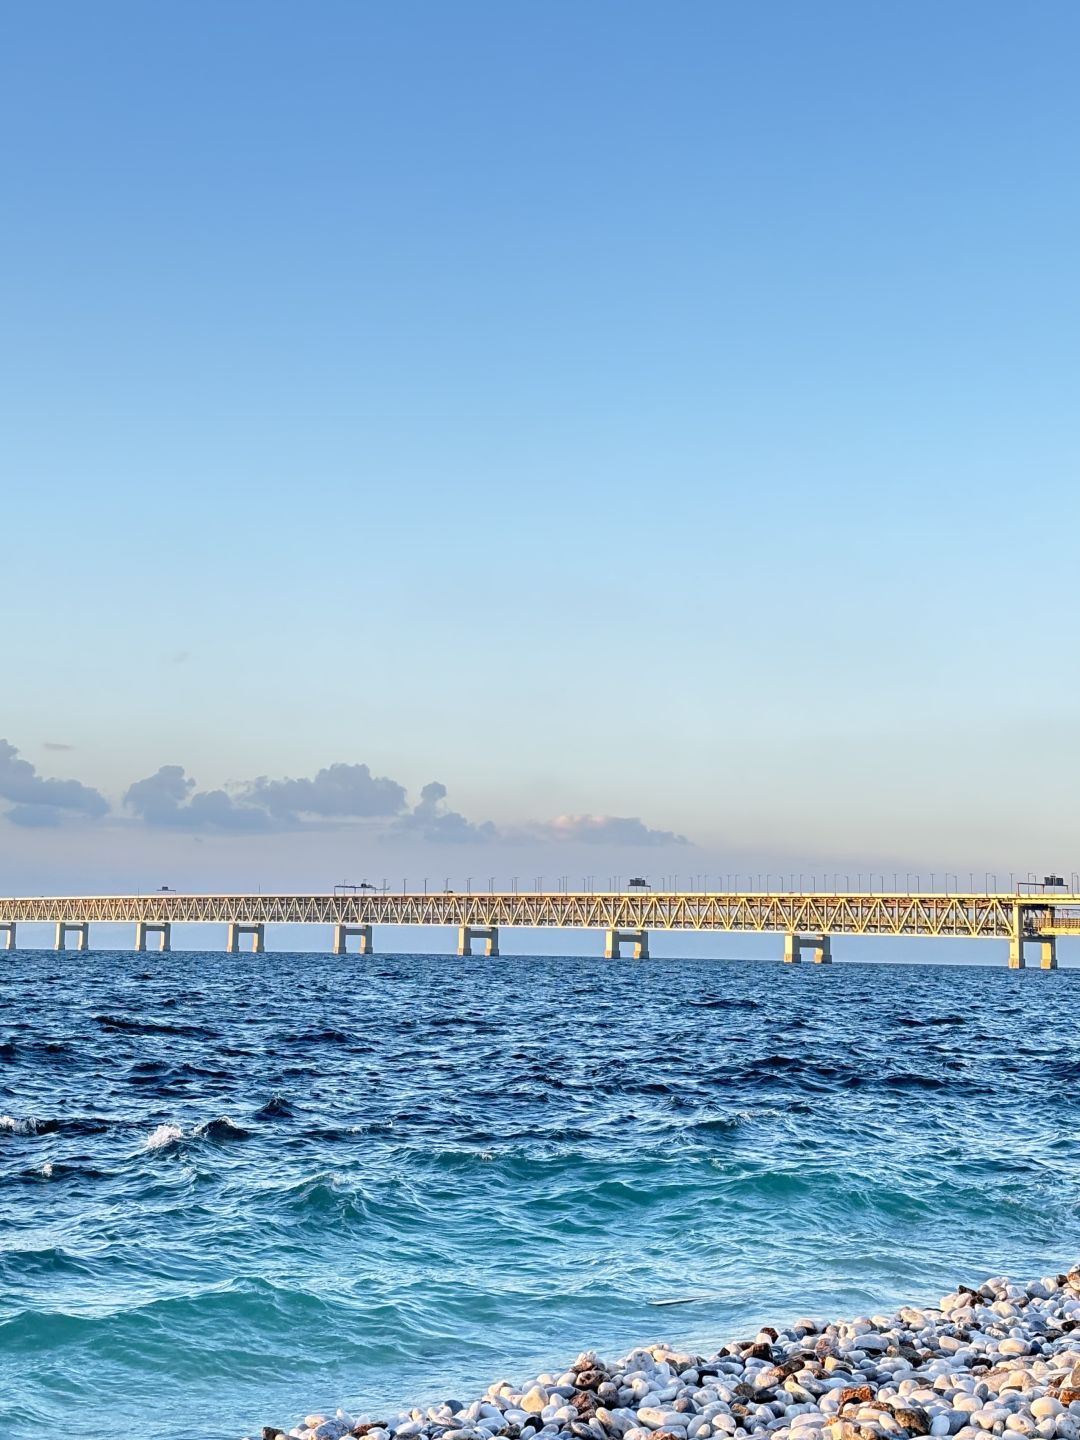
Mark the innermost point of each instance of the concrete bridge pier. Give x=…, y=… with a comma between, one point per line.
x=615, y=940
x=343, y=933
x=468, y=933
x=257, y=933
x=64, y=928
x=7, y=929
x=1019, y=938
x=162, y=929
x=821, y=945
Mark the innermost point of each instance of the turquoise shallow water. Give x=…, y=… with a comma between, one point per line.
x=236, y=1188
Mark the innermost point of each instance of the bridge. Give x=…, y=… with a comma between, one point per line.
x=807, y=921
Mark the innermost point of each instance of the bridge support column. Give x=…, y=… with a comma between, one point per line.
x=7, y=929
x=639, y=939
x=343, y=933
x=162, y=929
x=1016, y=941
x=1048, y=946
x=257, y=933
x=81, y=928
x=821, y=945
x=468, y=933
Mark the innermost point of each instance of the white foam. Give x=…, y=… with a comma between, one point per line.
x=164, y=1135
x=18, y=1127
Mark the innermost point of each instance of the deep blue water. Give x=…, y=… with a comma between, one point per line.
x=397, y=1178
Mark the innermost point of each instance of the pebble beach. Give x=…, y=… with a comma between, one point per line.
x=996, y=1359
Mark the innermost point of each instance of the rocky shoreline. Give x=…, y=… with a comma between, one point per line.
x=999, y=1359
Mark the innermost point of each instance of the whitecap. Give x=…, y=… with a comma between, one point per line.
x=46, y=1169
x=18, y=1127
x=164, y=1135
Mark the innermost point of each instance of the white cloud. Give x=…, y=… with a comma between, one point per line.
x=338, y=791
x=169, y=798
x=38, y=800
x=609, y=830
x=434, y=821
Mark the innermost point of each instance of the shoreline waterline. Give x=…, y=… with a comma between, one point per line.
x=997, y=1359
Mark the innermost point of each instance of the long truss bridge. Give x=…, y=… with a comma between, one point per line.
x=807, y=921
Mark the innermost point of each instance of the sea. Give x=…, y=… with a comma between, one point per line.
x=235, y=1190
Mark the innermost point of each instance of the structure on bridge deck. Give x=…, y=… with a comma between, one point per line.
x=808, y=921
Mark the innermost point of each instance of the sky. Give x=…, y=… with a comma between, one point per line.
x=489, y=440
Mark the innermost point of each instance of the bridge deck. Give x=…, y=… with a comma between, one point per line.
x=969, y=916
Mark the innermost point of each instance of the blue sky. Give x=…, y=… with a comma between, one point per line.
x=611, y=410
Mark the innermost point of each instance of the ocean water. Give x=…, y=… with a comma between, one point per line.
x=234, y=1189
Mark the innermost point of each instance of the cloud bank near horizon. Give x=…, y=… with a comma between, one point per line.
x=37, y=802
x=337, y=795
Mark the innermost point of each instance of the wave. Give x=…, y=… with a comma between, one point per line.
x=52, y=1125
x=724, y=1003
x=319, y=1037
x=126, y=1025
x=163, y=1136
x=276, y=1108
x=917, y=1022
x=221, y=1128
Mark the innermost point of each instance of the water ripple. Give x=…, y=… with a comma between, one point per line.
x=237, y=1186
